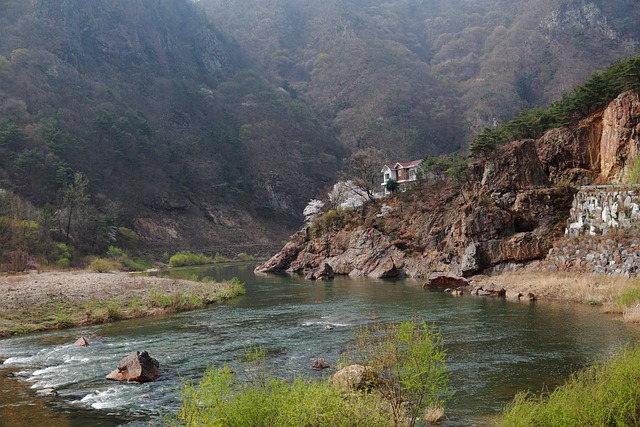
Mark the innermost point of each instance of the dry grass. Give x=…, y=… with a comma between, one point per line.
x=578, y=287
x=615, y=294
x=632, y=314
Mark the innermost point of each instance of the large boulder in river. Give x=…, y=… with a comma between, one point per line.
x=136, y=367
x=355, y=377
x=324, y=272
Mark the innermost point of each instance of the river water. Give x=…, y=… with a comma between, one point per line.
x=495, y=347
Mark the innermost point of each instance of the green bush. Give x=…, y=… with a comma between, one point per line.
x=245, y=257
x=135, y=264
x=185, y=258
x=101, y=265
x=633, y=176
x=334, y=219
x=410, y=360
x=114, y=252
x=221, y=399
x=607, y=394
x=217, y=258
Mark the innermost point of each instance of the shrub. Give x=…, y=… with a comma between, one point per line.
x=633, y=175
x=607, y=394
x=245, y=257
x=185, y=258
x=219, y=258
x=101, y=265
x=114, y=252
x=135, y=264
x=221, y=399
x=410, y=360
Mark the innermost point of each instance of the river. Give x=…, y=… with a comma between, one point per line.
x=495, y=347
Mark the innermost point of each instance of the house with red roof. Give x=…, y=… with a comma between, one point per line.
x=405, y=174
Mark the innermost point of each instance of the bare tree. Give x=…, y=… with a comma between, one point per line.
x=363, y=170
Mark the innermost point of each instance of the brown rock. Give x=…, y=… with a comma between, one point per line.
x=355, y=377
x=440, y=280
x=136, y=367
x=324, y=272
x=319, y=364
x=81, y=342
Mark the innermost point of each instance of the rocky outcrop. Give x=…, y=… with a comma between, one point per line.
x=319, y=364
x=512, y=209
x=136, y=367
x=596, y=150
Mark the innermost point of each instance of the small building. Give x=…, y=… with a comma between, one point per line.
x=405, y=174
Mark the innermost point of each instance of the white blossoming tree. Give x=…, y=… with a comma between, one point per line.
x=313, y=209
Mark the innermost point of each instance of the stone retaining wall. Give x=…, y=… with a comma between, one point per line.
x=603, y=233
x=596, y=211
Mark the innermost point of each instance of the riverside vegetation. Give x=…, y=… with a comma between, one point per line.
x=607, y=394
x=410, y=389
x=409, y=384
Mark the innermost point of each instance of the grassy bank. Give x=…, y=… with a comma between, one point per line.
x=138, y=298
x=607, y=394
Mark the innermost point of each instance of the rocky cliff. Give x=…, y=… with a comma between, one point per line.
x=512, y=208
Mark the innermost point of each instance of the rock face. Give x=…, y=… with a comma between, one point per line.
x=136, y=367
x=512, y=209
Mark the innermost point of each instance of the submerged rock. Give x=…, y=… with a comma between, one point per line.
x=319, y=364
x=47, y=392
x=136, y=367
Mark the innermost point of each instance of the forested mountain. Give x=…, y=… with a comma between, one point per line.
x=423, y=76
x=209, y=124
x=179, y=136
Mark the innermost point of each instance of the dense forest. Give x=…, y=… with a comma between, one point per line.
x=160, y=125
x=425, y=76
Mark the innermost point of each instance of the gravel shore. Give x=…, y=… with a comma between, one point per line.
x=29, y=298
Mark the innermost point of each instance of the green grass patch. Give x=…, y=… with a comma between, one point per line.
x=629, y=296
x=607, y=394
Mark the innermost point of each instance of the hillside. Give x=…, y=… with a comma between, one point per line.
x=172, y=124
x=180, y=139
x=423, y=77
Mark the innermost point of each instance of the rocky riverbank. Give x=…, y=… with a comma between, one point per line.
x=511, y=207
x=51, y=300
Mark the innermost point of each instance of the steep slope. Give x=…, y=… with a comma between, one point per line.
x=179, y=138
x=396, y=74
x=513, y=207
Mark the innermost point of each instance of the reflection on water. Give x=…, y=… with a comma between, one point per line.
x=495, y=347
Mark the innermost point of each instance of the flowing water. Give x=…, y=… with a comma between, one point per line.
x=495, y=347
